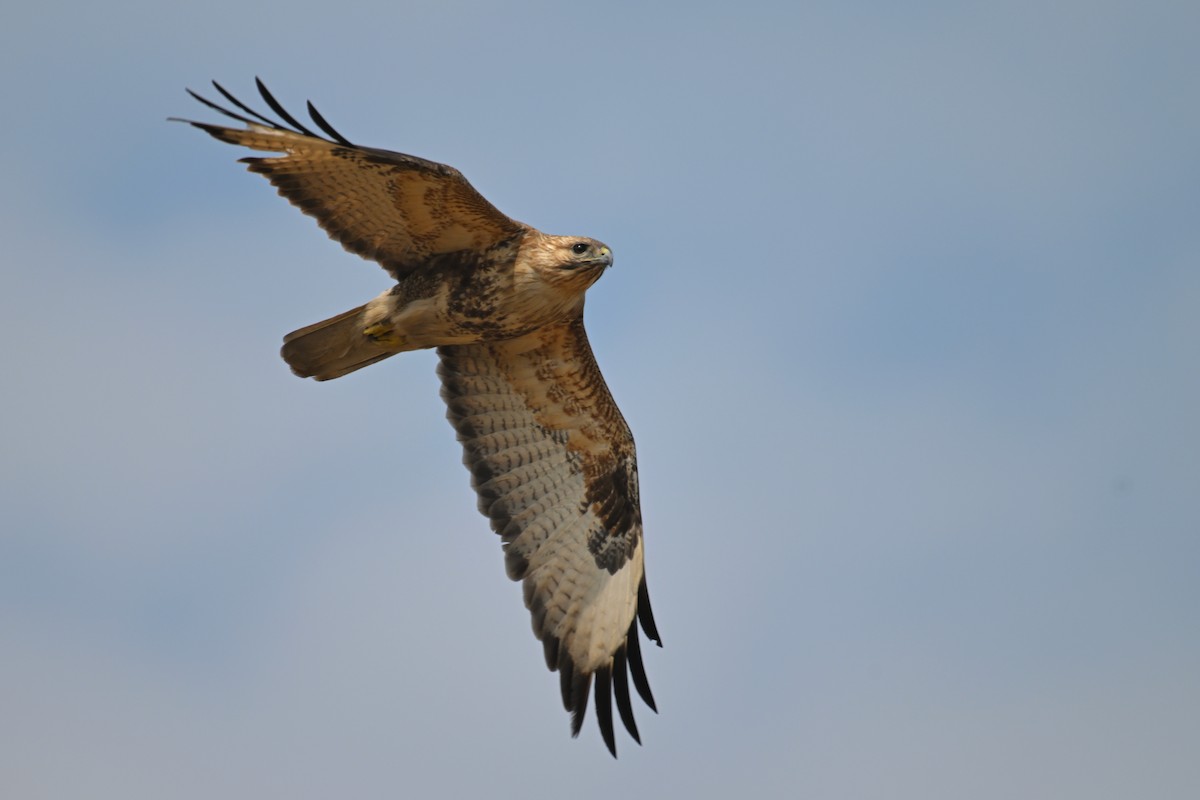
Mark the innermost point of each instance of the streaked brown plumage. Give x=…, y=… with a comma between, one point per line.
x=550, y=455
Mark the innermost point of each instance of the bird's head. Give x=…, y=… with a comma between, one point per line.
x=570, y=263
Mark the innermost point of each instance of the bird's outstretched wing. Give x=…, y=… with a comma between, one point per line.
x=554, y=466
x=392, y=208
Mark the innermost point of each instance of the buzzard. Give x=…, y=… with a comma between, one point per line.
x=551, y=458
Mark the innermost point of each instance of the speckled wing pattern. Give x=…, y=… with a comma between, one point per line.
x=396, y=209
x=554, y=466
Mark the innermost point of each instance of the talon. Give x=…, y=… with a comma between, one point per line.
x=383, y=334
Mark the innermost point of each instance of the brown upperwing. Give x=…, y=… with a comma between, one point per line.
x=392, y=208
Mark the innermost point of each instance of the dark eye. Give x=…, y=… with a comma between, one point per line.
x=579, y=248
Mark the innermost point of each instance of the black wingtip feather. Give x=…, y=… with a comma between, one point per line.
x=221, y=109
x=550, y=650
x=580, y=687
x=228, y=96
x=604, y=708
x=645, y=615
x=621, y=691
x=325, y=126
x=611, y=681
x=256, y=118
x=279, y=109
x=636, y=669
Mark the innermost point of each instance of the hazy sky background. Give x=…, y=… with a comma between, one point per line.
x=905, y=318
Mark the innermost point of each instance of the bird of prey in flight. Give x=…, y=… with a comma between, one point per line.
x=551, y=458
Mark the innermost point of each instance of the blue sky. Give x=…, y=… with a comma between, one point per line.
x=905, y=318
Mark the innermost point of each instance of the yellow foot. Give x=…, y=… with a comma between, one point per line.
x=384, y=334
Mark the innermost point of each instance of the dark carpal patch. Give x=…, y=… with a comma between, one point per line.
x=613, y=497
